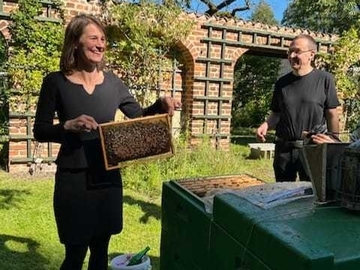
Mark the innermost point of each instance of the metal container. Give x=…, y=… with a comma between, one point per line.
x=323, y=163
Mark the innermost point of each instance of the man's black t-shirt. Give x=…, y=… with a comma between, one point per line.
x=302, y=101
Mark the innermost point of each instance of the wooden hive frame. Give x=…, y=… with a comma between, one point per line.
x=126, y=142
x=201, y=185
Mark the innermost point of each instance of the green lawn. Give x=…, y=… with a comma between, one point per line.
x=28, y=237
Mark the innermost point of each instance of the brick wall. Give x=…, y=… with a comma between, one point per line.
x=205, y=83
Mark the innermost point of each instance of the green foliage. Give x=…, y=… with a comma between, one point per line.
x=35, y=51
x=3, y=52
x=344, y=64
x=328, y=16
x=140, y=36
x=4, y=121
x=4, y=105
x=254, y=80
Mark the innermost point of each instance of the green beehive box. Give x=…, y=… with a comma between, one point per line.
x=299, y=235
x=186, y=220
x=185, y=230
x=227, y=253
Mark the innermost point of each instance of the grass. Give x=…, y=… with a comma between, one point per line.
x=28, y=237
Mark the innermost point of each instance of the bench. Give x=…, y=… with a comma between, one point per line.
x=261, y=150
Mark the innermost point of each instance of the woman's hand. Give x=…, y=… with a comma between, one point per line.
x=322, y=138
x=170, y=104
x=81, y=123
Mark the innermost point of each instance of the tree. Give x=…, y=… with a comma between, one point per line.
x=264, y=14
x=215, y=8
x=327, y=16
x=345, y=65
x=212, y=7
x=254, y=78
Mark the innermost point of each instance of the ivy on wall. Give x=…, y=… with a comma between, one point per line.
x=34, y=51
x=140, y=37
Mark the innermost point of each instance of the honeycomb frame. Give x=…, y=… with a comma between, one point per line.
x=128, y=142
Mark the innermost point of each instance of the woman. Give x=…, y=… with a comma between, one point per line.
x=87, y=198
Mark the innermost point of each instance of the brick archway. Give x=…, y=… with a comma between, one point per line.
x=217, y=43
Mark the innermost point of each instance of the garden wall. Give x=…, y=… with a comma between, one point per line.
x=202, y=78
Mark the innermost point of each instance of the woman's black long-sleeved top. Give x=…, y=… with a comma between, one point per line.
x=68, y=100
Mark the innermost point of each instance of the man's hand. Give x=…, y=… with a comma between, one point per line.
x=261, y=132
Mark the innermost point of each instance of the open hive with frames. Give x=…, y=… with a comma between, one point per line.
x=136, y=140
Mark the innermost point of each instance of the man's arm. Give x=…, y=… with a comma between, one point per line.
x=332, y=120
x=270, y=123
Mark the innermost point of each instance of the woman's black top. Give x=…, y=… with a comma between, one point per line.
x=70, y=100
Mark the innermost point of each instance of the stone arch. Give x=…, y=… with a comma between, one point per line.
x=186, y=61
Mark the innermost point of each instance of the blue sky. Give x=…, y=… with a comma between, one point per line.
x=278, y=7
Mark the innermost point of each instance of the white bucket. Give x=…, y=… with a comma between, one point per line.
x=119, y=263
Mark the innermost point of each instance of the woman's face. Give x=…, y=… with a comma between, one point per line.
x=92, y=44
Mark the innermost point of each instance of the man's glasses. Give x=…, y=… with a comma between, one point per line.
x=297, y=52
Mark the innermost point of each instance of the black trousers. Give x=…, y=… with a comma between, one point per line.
x=75, y=254
x=289, y=163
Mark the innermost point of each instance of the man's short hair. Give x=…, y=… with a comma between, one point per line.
x=310, y=39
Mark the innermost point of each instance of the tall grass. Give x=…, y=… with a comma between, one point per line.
x=202, y=160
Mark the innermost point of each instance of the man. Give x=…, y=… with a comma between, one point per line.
x=303, y=99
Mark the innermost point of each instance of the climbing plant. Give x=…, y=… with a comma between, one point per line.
x=35, y=51
x=344, y=63
x=140, y=37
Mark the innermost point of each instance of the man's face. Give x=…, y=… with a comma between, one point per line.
x=300, y=54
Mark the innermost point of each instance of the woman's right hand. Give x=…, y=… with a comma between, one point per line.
x=81, y=123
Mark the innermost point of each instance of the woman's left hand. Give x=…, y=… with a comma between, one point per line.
x=322, y=138
x=170, y=104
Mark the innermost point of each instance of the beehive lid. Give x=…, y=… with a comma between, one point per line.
x=299, y=235
x=136, y=140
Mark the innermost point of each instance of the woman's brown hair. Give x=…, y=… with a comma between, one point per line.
x=73, y=32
